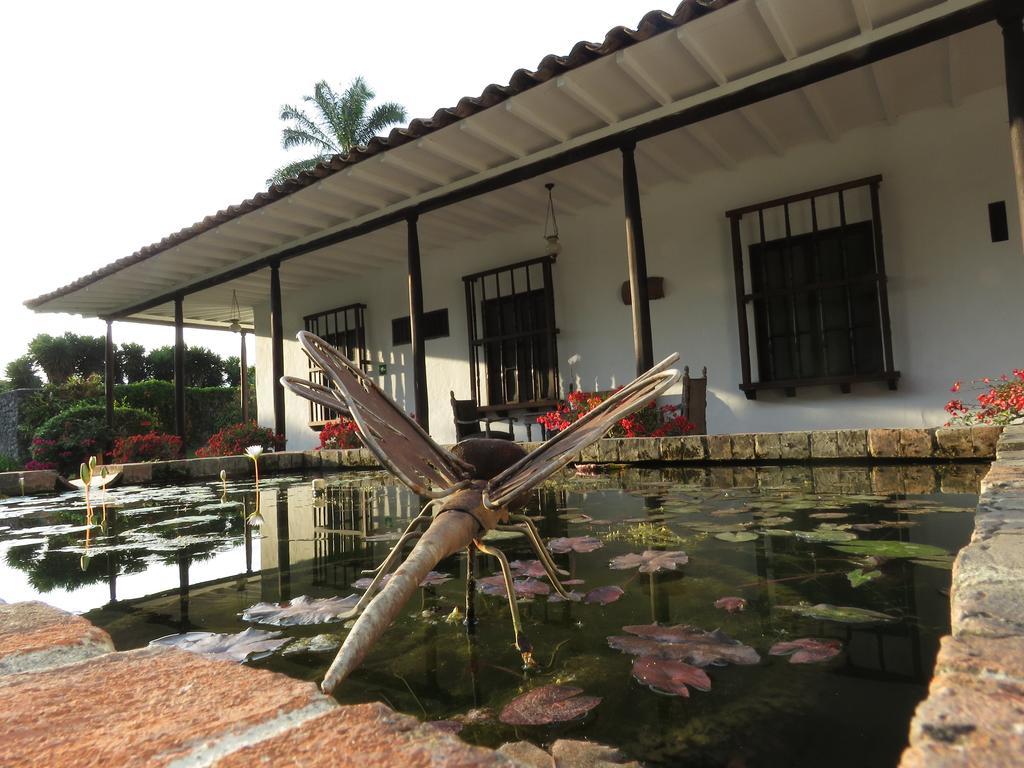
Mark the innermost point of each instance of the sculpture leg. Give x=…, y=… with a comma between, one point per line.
x=534, y=535
x=423, y=517
x=471, y=588
x=522, y=643
x=546, y=563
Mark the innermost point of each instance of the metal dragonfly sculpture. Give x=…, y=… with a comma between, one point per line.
x=474, y=488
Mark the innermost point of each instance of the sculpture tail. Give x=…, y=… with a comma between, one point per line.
x=448, y=534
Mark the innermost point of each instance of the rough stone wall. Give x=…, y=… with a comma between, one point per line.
x=10, y=407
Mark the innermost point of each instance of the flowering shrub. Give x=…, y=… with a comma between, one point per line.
x=34, y=465
x=1001, y=401
x=234, y=439
x=72, y=436
x=649, y=421
x=339, y=433
x=153, y=446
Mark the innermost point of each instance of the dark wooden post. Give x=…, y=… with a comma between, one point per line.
x=179, y=367
x=741, y=304
x=636, y=257
x=1013, y=51
x=108, y=374
x=243, y=383
x=277, y=346
x=419, y=353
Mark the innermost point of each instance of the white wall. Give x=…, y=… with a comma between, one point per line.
x=953, y=294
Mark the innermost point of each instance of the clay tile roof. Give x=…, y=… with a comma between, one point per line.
x=583, y=52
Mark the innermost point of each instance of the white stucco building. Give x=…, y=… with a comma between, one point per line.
x=868, y=136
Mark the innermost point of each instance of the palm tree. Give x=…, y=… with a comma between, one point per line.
x=341, y=124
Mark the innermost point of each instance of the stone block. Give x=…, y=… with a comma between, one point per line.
x=825, y=479
x=719, y=447
x=628, y=451
x=767, y=446
x=856, y=480
x=886, y=480
x=670, y=449
x=770, y=477
x=28, y=482
x=591, y=454
x=989, y=658
x=824, y=444
x=852, y=443
x=526, y=754
x=743, y=448
x=159, y=706
x=884, y=443
x=794, y=446
x=919, y=478
x=744, y=477
x=330, y=458
x=986, y=441
x=954, y=443
x=608, y=450
x=961, y=478
x=362, y=735
x=916, y=444
x=36, y=636
x=685, y=448
x=312, y=459
x=992, y=609
x=571, y=753
x=137, y=473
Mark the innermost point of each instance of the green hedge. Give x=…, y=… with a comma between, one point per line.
x=207, y=409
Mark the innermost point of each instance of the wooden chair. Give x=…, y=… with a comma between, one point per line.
x=695, y=400
x=468, y=420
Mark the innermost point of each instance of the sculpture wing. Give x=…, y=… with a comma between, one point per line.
x=567, y=444
x=398, y=442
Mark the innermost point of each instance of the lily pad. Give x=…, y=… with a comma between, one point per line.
x=826, y=536
x=492, y=536
x=315, y=644
x=548, y=704
x=942, y=563
x=301, y=611
x=432, y=579
x=807, y=650
x=651, y=561
x=859, y=576
x=891, y=549
x=839, y=613
x=603, y=595
x=241, y=646
x=671, y=677
x=731, y=604
x=780, y=532
x=531, y=568
x=579, y=544
x=689, y=644
x=772, y=522
x=495, y=585
x=736, y=538
x=829, y=515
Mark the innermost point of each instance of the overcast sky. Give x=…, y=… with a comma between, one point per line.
x=122, y=122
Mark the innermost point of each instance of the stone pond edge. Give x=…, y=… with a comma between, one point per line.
x=818, y=446
x=974, y=712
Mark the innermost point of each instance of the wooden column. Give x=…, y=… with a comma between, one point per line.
x=108, y=374
x=277, y=346
x=179, y=367
x=1013, y=51
x=419, y=353
x=243, y=383
x=636, y=257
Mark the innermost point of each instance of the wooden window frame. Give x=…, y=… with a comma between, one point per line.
x=485, y=286
x=745, y=301
x=353, y=318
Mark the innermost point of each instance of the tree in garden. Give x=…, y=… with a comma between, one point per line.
x=21, y=373
x=233, y=371
x=131, y=361
x=340, y=123
x=61, y=357
x=203, y=367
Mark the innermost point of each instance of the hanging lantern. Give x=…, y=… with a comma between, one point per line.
x=554, y=247
x=235, y=323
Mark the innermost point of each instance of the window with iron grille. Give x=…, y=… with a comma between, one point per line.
x=512, y=334
x=344, y=329
x=817, y=303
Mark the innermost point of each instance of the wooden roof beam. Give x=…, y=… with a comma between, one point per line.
x=587, y=100
x=642, y=76
x=367, y=171
x=711, y=145
x=695, y=48
x=536, y=120
x=437, y=148
x=419, y=170
x=487, y=136
x=368, y=200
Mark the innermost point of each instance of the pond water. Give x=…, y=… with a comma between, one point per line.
x=181, y=559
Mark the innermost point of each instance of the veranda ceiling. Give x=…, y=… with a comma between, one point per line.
x=672, y=64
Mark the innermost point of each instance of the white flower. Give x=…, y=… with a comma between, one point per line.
x=254, y=451
x=576, y=359
x=256, y=519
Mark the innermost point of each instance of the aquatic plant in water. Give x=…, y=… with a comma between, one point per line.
x=684, y=643
x=647, y=534
x=603, y=595
x=731, y=604
x=301, y=611
x=548, y=704
x=241, y=646
x=580, y=544
x=651, y=561
x=254, y=452
x=843, y=614
x=807, y=650
x=671, y=677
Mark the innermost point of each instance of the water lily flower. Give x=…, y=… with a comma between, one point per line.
x=254, y=451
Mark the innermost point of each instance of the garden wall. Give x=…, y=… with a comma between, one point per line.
x=10, y=410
